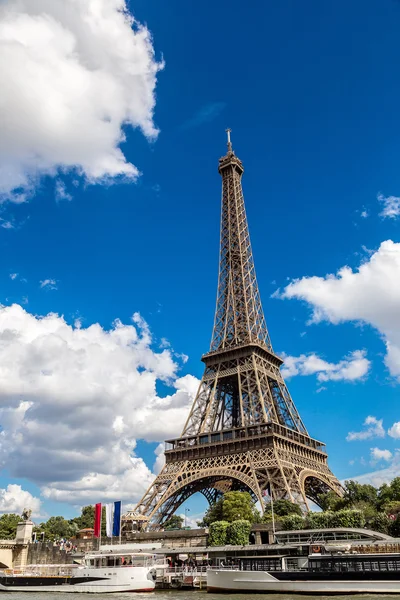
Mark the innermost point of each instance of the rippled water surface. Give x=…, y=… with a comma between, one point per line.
x=183, y=595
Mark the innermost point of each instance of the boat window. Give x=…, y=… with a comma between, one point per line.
x=91, y=562
x=110, y=561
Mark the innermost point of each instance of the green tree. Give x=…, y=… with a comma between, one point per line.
x=175, y=522
x=292, y=522
x=8, y=526
x=212, y=514
x=238, y=532
x=389, y=493
x=58, y=527
x=237, y=505
x=282, y=508
x=360, y=492
x=331, y=501
x=217, y=533
x=391, y=508
x=86, y=518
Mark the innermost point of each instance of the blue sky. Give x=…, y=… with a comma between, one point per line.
x=310, y=91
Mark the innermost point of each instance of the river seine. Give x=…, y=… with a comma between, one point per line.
x=182, y=595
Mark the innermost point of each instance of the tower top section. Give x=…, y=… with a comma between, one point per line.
x=230, y=159
x=239, y=317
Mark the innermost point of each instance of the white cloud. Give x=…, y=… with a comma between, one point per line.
x=72, y=75
x=391, y=206
x=160, y=460
x=378, y=454
x=394, y=430
x=381, y=476
x=13, y=276
x=73, y=402
x=14, y=499
x=60, y=191
x=364, y=214
x=48, y=284
x=353, y=367
x=371, y=294
x=3, y=222
x=373, y=428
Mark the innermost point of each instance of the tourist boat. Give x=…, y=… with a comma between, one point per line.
x=100, y=572
x=315, y=574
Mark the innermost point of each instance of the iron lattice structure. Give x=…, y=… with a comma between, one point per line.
x=244, y=431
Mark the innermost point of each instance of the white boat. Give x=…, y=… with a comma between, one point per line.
x=316, y=574
x=101, y=572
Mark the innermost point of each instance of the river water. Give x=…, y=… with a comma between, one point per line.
x=182, y=595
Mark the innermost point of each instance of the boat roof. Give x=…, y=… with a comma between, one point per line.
x=117, y=553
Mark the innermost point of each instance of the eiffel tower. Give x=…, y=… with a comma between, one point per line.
x=243, y=431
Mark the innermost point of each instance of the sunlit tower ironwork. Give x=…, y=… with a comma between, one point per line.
x=243, y=431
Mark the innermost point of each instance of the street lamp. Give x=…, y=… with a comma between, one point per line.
x=186, y=512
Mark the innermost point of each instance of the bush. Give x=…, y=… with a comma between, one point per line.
x=347, y=518
x=217, y=533
x=291, y=522
x=318, y=520
x=238, y=532
x=380, y=523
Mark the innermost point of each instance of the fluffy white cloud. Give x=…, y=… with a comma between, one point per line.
x=371, y=294
x=14, y=499
x=373, y=427
x=72, y=74
x=73, y=402
x=391, y=206
x=353, y=367
x=394, y=430
x=378, y=454
x=160, y=458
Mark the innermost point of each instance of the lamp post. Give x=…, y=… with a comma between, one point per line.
x=186, y=512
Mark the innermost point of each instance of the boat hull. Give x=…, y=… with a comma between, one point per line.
x=121, y=580
x=302, y=582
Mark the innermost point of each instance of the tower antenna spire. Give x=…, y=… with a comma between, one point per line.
x=228, y=133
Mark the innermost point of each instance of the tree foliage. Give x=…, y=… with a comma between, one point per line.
x=231, y=507
x=237, y=506
x=175, y=522
x=282, y=508
x=212, y=514
x=292, y=522
x=394, y=527
x=8, y=526
x=347, y=518
x=389, y=492
x=380, y=522
x=217, y=533
x=86, y=518
x=238, y=532
x=58, y=527
x=318, y=520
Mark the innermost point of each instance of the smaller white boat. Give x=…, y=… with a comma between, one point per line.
x=315, y=574
x=101, y=572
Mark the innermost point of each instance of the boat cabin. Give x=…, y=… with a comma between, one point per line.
x=120, y=559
